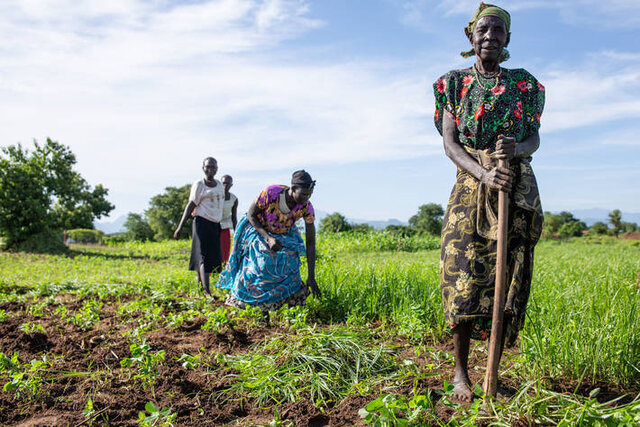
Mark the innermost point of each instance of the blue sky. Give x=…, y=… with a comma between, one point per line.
x=142, y=91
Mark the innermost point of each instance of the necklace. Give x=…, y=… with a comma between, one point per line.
x=477, y=75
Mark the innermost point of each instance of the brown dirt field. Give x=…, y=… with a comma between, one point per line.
x=87, y=364
x=631, y=236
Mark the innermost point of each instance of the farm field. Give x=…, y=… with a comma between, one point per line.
x=120, y=335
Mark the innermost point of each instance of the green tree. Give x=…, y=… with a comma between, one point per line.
x=334, y=223
x=553, y=223
x=165, y=211
x=362, y=228
x=599, y=228
x=615, y=219
x=572, y=229
x=428, y=219
x=629, y=227
x=41, y=194
x=137, y=228
x=400, y=230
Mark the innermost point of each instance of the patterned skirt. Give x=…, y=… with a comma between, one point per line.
x=467, y=262
x=257, y=276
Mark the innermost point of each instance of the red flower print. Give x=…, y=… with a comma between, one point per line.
x=522, y=85
x=467, y=80
x=538, y=117
x=484, y=335
x=498, y=90
x=457, y=121
x=540, y=87
x=519, y=106
x=517, y=113
x=479, y=112
x=463, y=92
x=437, y=115
x=441, y=85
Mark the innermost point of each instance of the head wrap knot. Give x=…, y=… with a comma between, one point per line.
x=302, y=179
x=487, y=10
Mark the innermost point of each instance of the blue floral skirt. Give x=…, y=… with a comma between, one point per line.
x=258, y=276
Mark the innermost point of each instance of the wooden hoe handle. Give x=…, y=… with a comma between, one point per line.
x=493, y=361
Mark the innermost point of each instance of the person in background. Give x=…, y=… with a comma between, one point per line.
x=229, y=217
x=264, y=267
x=205, y=204
x=486, y=113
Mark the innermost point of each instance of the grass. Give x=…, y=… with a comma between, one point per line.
x=326, y=365
x=381, y=296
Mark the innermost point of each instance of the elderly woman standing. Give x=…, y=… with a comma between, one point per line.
x=485, y=113
x=264, y=267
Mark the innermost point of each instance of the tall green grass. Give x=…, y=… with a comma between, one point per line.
x=583, y=318
x=352, y=242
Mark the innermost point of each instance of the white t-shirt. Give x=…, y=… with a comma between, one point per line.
x=226, y=221
x=208, y=200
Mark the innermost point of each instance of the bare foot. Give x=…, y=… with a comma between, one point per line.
x=462, y=390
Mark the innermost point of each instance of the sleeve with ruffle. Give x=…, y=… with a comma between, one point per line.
x=446, y=97
x=535, y=96
x=309, y=214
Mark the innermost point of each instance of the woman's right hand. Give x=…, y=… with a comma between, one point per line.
x=274, y=244
x=498, y=178
x=176, y=234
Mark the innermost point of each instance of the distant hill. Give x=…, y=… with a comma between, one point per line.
x=112, y=226
x=377, y=224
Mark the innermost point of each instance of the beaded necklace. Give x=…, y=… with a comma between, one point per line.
x=476, y=73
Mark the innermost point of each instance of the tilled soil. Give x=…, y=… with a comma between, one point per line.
x=86, y=364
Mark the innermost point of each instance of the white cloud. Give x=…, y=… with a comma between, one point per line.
x=588, y=96
x=609, y=14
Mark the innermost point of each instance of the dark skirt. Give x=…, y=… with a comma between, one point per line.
x=205, y=245
x=467, y=262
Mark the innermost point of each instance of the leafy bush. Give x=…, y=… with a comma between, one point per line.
x=84, y=235
x=46, y=241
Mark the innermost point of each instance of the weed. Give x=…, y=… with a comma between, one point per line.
x=155, y=417
x=190, y=362
x=145, y=360
x=30, y=327
x=88, y=316
x=392, y=410
x=219, y=320
x=25, y=380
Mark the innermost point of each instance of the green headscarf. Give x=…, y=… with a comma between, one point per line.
x=487, y=10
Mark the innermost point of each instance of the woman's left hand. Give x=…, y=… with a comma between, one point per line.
x=505, y=148
x=315, y=290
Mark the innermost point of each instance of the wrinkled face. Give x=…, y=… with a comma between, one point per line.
x=210, y=168
x=227, y=182
x=301, y=195
x=489, y=37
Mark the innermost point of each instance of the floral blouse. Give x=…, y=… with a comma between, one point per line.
x=272, y=218
x=510, y=104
